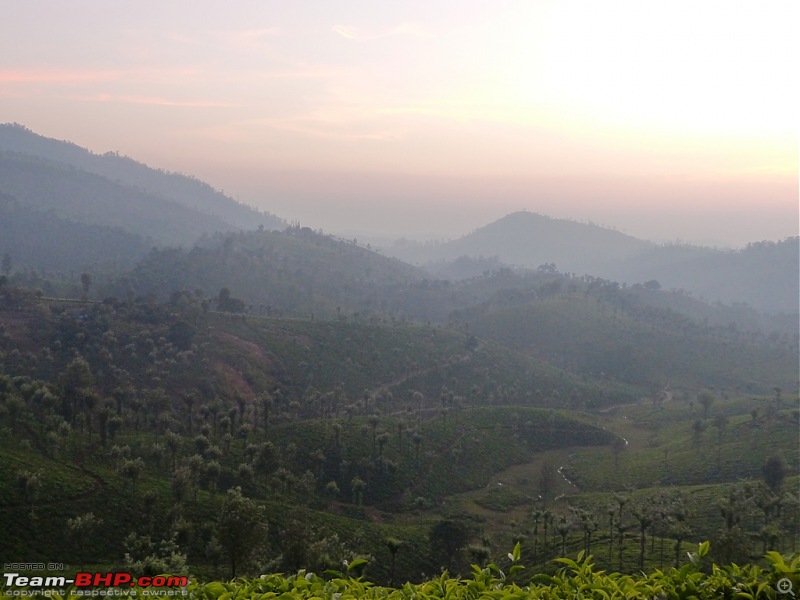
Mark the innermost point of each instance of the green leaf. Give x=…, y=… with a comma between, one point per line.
x=703, y=548
x=356, y=563
x=515, y=554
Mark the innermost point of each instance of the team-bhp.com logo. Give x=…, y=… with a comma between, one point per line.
x=95, y=583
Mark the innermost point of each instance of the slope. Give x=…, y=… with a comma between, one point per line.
x=530, y=240
x=642, y=345
x=296, y=272
x=764, y=274
x=90, y=199
x=184, y=190
x=45, y=242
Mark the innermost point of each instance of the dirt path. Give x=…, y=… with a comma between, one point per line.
x=385, y=387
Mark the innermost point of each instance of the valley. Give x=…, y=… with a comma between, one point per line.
x=181, y=392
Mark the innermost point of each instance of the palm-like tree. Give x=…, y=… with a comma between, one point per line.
x=643, y=514
x=720, y=422
x=393, y=545
x=562, y=527
x=536, y=516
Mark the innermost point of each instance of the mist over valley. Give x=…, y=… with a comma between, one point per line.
x=170, y=356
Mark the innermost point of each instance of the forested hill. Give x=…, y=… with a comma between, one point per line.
x=181, y=189
x=528, y=239
x=764, y=275
x=45, y=242
x=296, y=272
x=584, y=325
x=83, y=197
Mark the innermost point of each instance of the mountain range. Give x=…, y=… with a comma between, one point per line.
x=56, y=186
x=763, y=274
x=67, y=209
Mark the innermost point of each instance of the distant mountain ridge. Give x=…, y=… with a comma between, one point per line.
x=764, y=275
x=75, y=195
x=48, y=243
x=182, y=189
x=530, y=239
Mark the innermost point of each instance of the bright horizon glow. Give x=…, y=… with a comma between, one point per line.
x=668, y=120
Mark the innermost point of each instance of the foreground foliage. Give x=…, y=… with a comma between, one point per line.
x=576, y=579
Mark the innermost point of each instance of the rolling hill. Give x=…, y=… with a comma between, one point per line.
x=764, y=275
x=526, y=239
x=49, y=244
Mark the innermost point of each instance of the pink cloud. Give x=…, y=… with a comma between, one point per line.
x=57, y=76
x=156, y=101
x=358, y=34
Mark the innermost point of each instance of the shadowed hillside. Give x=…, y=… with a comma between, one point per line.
x=79, y=196
x=184, y=190
x=48, y=243
x=765, y=275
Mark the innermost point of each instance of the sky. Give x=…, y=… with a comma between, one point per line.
x=669, y=120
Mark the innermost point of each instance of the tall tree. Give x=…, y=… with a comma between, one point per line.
x=775, y=471
x=706, y=399
x=392, y=545
x=240, y=529
x=80, y=530
x=86, y=283
x=643, y=513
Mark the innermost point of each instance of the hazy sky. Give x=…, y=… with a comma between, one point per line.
x=667, y=119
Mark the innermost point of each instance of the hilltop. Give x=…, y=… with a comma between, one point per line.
x=765, y=275
x=184, y=190
x=527, y=239
x=67, y=209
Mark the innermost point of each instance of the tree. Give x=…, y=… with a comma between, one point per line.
x=77, y=381
x=29, y=485
x=611, y=510
x=775, y=471
x=86, y=283
x=357, y=485
x=447, y=537
x=131, y=469
x=547, y=520
x=383, y=438
x=226, y=303
x=621, y=501
x=417, y=439
x=643, y=513
x=589, y=525
x=698, y=427
x=173, y=442
x=536, y=516
x=652, y=285
x=706, y=399
x=392, y=545
x=720, y=422
x=80, y=530
x=240, y=529
x=548, y=475
x=730, y=544
x=373, y=421
x=563, y=527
